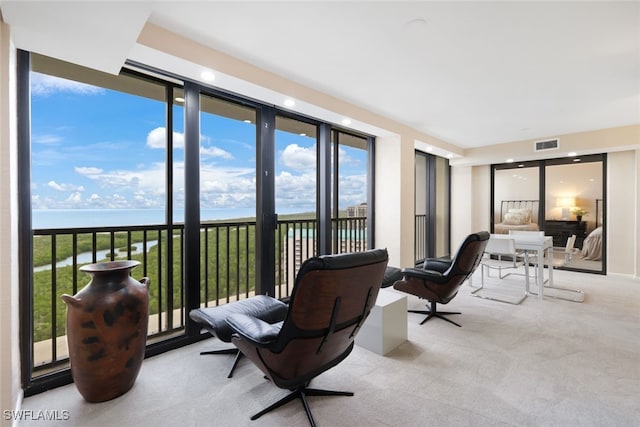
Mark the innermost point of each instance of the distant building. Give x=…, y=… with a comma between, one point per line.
x=300, y=244
x=357, y=211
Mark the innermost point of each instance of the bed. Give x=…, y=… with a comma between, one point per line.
x=520, y=215
x=592, y=245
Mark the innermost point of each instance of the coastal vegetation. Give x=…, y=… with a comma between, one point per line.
x=227, y=267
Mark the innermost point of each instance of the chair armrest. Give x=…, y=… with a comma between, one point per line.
x=430, y=275
x=257, y=331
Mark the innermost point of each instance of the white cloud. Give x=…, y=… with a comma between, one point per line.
x=215, y=152
x=296, y=191
x=74, y=200
x=87, y=170
x=353, y=190
x=46, y=139
x=157, y=138
x=65, y=187
x=299, y=158
x=44, y=84
x=227, y=187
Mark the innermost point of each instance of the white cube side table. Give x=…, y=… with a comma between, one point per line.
x=386, y=327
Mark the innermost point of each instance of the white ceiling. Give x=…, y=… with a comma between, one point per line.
x=470, y=73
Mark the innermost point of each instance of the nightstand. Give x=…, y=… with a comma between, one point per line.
x=562, y=230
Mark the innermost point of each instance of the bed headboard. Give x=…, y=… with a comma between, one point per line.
x=532, y=205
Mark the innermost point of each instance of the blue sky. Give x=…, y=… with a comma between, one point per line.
x=94, y=148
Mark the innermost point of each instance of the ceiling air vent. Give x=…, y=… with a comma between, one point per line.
x=549, y=144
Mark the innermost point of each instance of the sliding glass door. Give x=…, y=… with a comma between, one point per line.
x=563, y=197
x=296, y=170
x=575, y=206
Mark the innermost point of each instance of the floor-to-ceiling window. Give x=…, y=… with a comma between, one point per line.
x=296, y=193
x=98, y=178
x=350, y=209
x=183, y=178
x=227, y=153
x=432, y=226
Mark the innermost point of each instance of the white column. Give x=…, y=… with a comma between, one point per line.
x=394, y=204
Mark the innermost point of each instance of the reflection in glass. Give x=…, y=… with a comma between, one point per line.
x=513, y=189
x=573, y=206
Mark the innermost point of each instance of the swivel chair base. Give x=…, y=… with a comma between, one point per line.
x=235, y=351
x=301, y=392
x=433, y=312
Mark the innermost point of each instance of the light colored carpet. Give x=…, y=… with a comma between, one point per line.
x=541, y=363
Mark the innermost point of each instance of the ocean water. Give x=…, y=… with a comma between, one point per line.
x=73, y=218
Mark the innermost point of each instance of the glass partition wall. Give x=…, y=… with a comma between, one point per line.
x=563, y=197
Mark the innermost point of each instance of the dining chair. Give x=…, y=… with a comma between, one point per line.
x=531, y=259
x=500, y=254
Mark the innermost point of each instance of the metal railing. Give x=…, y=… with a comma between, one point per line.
x=227, y=273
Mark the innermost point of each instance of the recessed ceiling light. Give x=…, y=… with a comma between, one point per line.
x=289, y=102
x=346, y=122
x=509, y=160
x=520, y=166
x=178, y=99
x=247, y=121
x=572, y=154
x=577, y=160
x=302, y=134
x=449, y=155
x=207, y=76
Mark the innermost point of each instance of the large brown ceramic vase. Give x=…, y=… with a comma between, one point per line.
x=107, y=330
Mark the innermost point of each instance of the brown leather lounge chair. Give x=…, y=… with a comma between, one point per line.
x=438, y=281
x=213, y=319
x=331, y=298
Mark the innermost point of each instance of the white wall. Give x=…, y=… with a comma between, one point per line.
x=461, y=196
x=394, y=205
x=622, y=216
x=10, y=390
